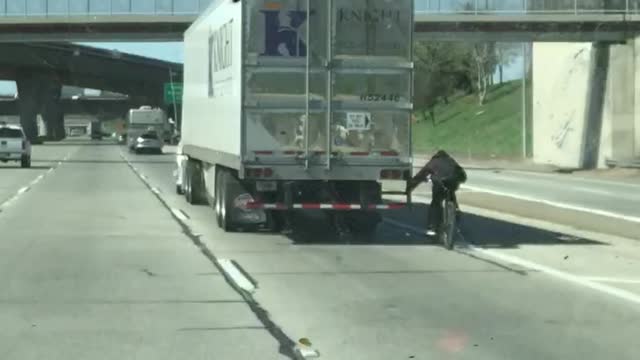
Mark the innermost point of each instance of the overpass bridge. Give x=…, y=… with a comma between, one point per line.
x=40, y=70
x=527, y=20
x=101, y=107
x=166, y=20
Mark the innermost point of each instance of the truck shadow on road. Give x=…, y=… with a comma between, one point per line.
x=314, y=229
x=491, y=233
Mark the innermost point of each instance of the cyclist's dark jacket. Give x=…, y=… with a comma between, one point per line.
x=442, y=167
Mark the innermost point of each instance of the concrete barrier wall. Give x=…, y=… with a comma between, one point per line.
x=560, y=90
x=570, y=79
x=636, y=120
x=618, y=134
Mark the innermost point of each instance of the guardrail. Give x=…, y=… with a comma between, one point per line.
x=70, y=8
x=533, y=7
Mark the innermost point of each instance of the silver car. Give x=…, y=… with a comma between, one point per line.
x=149, y=143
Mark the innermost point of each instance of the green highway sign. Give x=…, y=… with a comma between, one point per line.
x=172, y=93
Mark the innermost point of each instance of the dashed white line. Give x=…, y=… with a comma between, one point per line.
x=155, y=190
x=179, y=214
x=37, y=180
x=596, y=191
x=236, y=275
x=23, y=190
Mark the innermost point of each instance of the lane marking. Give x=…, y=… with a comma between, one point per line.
x=612, y=280
x=605, y=289
x=37, y=180
x=536, y=223
x=155, y=190
x=560, y=205
x=598, y=192
x=236, y=279
x=179, y=214
x=514, y=260
x=236, y=275
x=33, y=182
x=556, y=177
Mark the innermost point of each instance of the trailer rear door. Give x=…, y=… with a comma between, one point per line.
x=328, y=81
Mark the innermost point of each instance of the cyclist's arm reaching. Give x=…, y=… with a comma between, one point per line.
x=422, y=176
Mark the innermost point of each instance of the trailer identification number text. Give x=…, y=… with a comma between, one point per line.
x=380, y=97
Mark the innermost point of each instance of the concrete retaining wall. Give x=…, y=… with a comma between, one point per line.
x=584, y=103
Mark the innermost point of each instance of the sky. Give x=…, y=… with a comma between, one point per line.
x=174, y=52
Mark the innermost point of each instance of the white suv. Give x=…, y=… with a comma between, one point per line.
x=14, y=145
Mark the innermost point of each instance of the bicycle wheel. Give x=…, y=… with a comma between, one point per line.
x=446, y=232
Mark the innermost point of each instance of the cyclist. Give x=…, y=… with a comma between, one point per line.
x=445, y=174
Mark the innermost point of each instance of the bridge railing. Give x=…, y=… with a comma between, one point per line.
x=70, y=8
x=575, y=7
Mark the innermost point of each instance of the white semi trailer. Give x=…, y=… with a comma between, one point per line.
x=297, y=104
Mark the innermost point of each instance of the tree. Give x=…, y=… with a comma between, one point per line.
x=505, y=55
x=485, y=62
x=439, y=68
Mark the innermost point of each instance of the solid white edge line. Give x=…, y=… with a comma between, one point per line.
x=236, y=275
x=606, y=289
x=555, y=204
x=575, y=279
x=611, y=279
x=179, y=214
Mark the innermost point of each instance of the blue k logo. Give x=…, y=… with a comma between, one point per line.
x=284, y=40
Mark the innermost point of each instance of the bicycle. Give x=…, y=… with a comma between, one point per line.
x=446, y=231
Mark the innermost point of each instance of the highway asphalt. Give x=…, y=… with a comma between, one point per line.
x=100, y=259
x=616, y=198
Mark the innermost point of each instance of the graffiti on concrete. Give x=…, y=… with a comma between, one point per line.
x=559, y=138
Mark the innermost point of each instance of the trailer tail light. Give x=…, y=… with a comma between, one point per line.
x=391, y=174
x=259, y=173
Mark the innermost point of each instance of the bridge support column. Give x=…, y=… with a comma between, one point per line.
x=40, y=94
x=28, y=104
x=52, y=111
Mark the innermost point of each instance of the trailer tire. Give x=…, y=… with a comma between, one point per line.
x=217, y=207
x=275, y=221
x=363, y=224
x=226, y=205
x=194, y=183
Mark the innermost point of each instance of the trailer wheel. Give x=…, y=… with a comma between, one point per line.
x=194, y=183
x=218, y=197
x=363, y=224
x=226, y=205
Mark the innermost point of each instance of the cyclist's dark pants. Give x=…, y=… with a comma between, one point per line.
x=438, y=193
